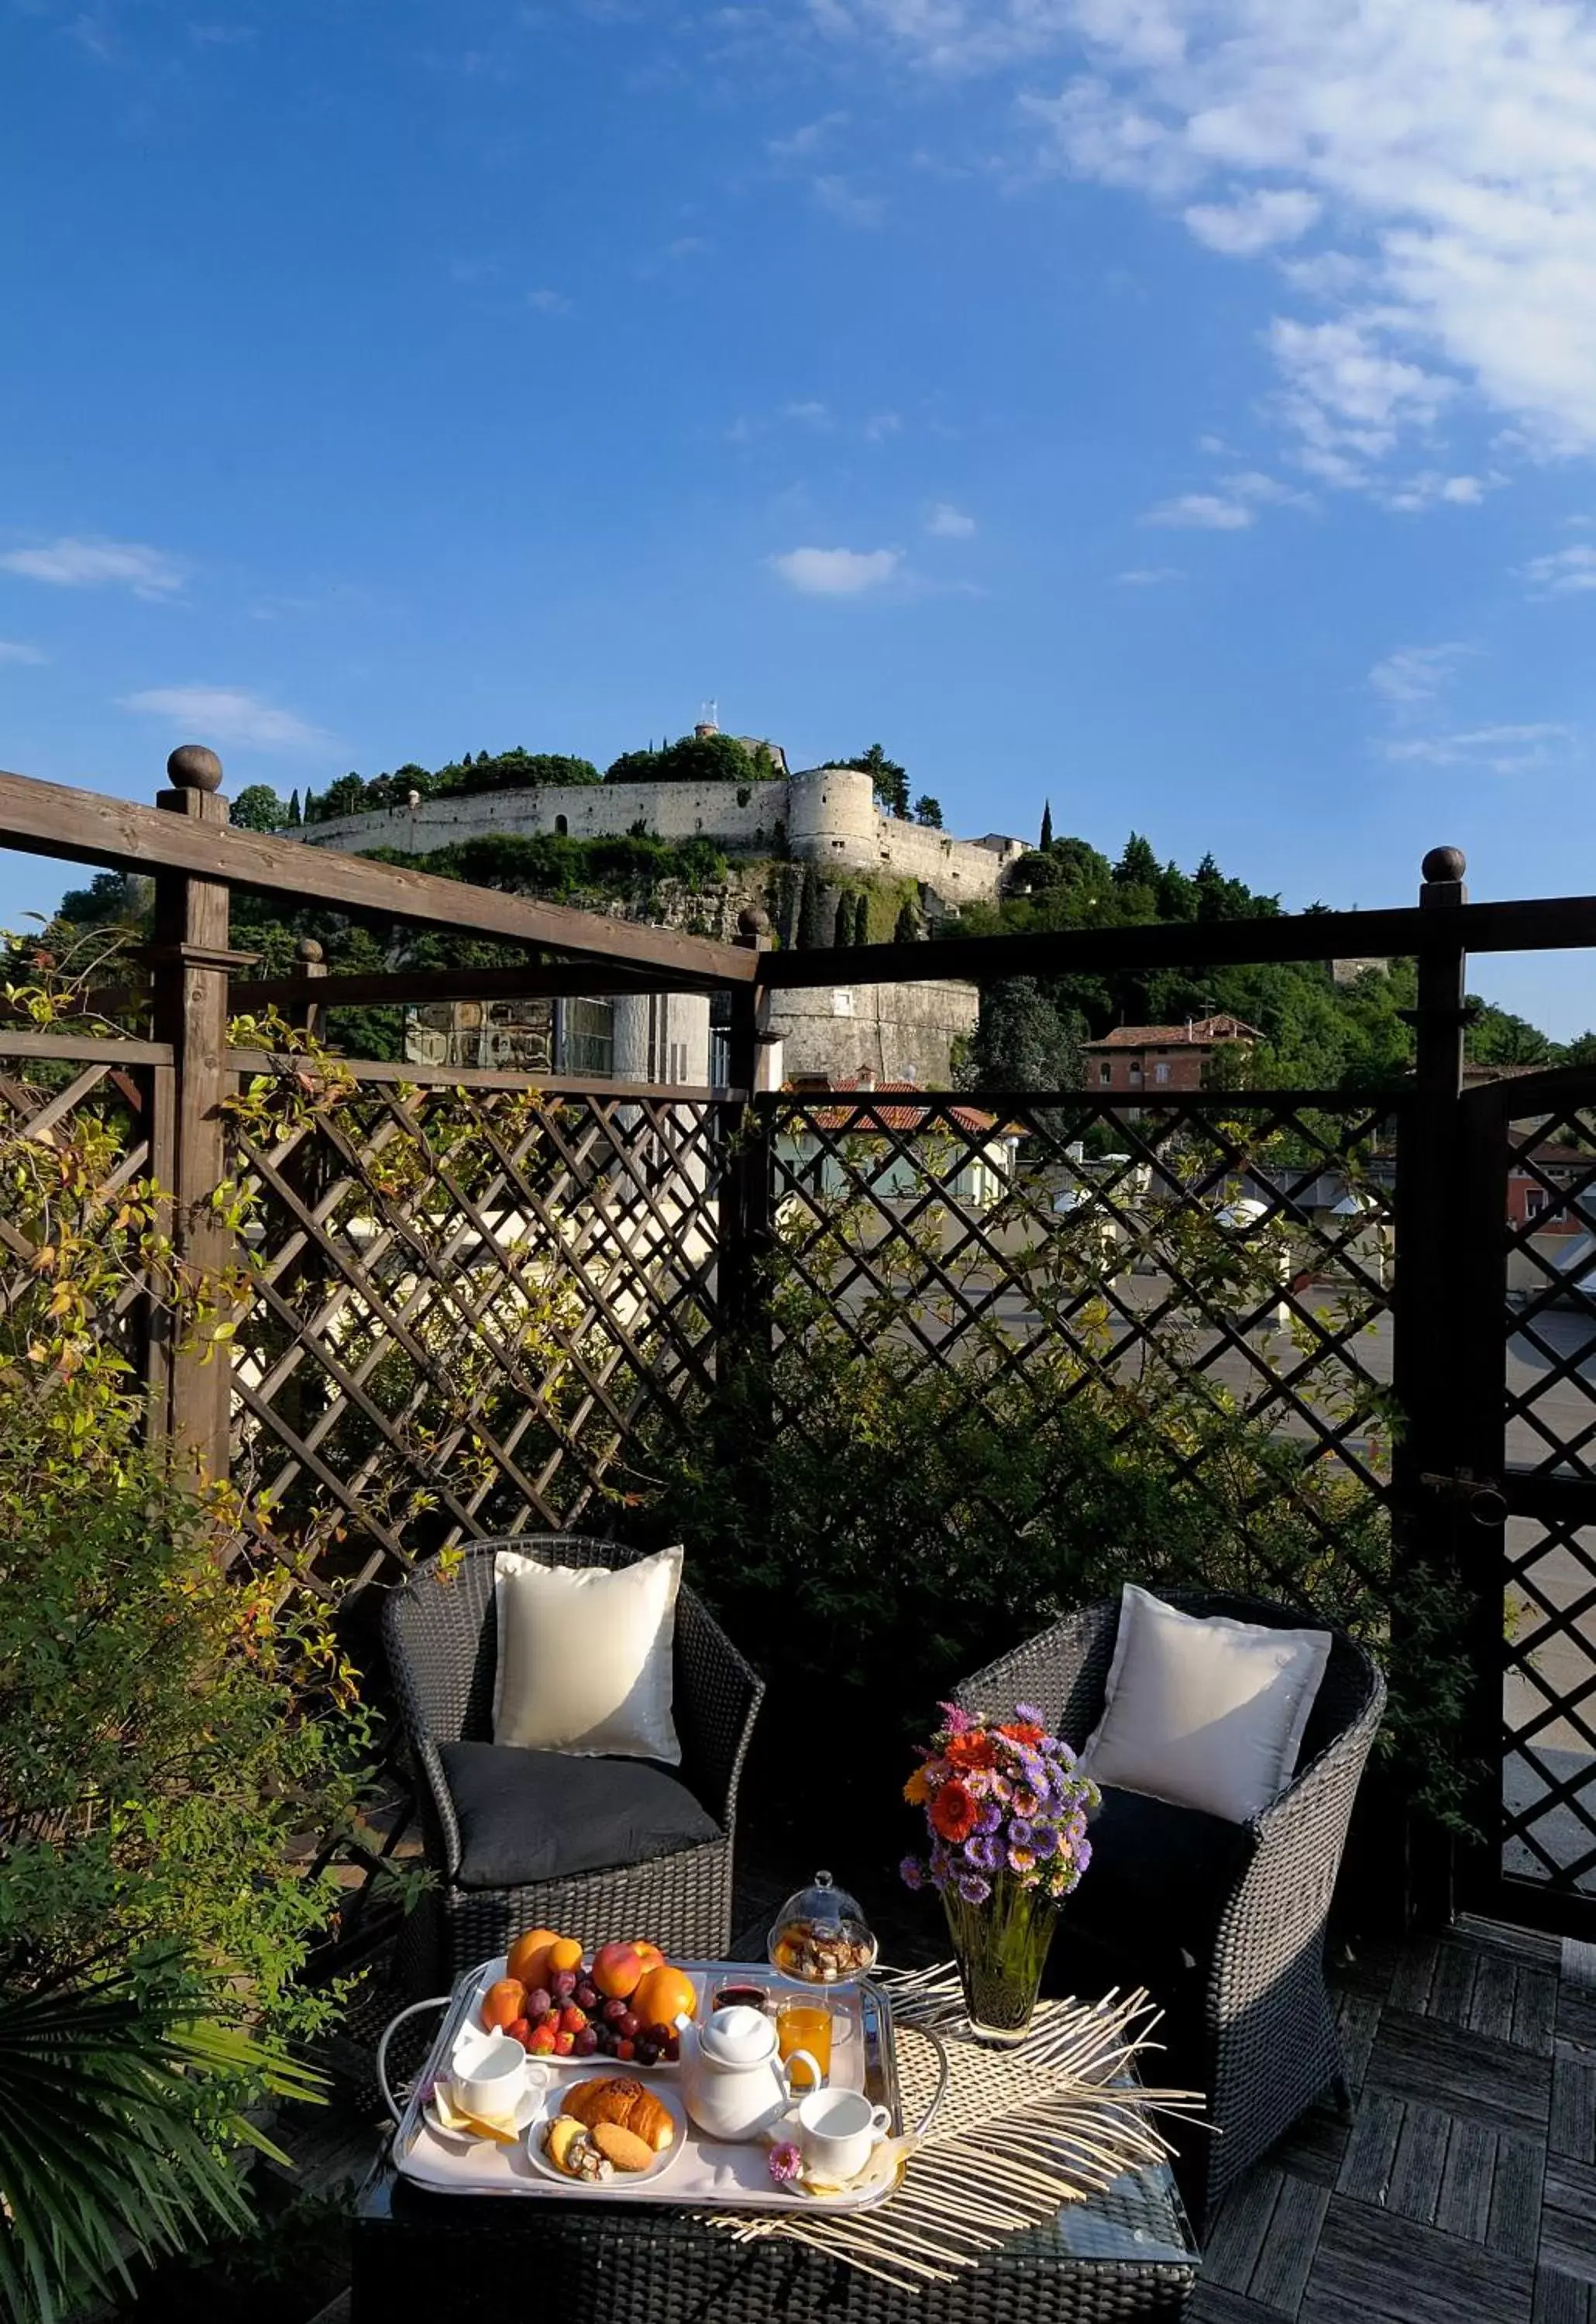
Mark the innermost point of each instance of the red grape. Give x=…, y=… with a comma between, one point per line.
x=614, y=2011
x=585, y=2042
x=629, y=2025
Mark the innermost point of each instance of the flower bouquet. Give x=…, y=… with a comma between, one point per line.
x=1006, y=1809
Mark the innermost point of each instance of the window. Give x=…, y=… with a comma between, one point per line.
x=1104, y=1074
x=1136, y=1069
x=842, y=1001
x=587, y=1037
x=562, y=826
x=1535, y=1200
x=1161, y=1071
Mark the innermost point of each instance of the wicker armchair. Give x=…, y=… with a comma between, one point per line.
x=1224, y=1924
x=441, y=1632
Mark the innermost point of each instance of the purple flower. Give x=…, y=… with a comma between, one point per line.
x=1044, y=1838
x=982, y=1852
x=1082, y=1855
x=973, y=1889
x=1075, y=1830
x=1020, y=1832
x=912, y=1872
x=957, y=1720
x=990, y=1818
x=786, y=2163
x=1021, y=1859
x=1027, y=1804
x=1026, y=1714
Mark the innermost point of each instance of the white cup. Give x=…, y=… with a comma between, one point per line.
x=491, y=2081
x=836, y=2131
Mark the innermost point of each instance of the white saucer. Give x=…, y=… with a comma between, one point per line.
x=552, y=2105
x=527, y=2106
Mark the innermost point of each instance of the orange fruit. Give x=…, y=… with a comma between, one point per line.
x=618, y=1970
x=565, y=1953
x=503, y=2003
x=664, y=1996
x=526, y=1953
x=650, y=1955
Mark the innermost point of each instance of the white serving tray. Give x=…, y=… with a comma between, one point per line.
x=713, y=2174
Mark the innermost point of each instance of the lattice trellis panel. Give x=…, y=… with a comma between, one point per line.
x=469, y=1303
x=49, y=1110
x=1549, y=1704
x=1187, y=1268
x=1549, y=1396
x=1551, y=1374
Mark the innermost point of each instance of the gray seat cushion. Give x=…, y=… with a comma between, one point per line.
x=1157, y=1882
x=527, y=1816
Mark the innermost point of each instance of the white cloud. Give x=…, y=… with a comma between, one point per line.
x=946, y=522
x=843, y=202
x=74, y=563
x=837, y=572
x=805, y=138
x=1444, y=150
x=880, y=425
x=812, y=412
x=225, y=713
x=1417, y=673
x=1148, y=576
x=1499, y=750
x=1201, y=512
x=549, y=302
x=1255, y=221
x=1563, y=571
x=11, y=650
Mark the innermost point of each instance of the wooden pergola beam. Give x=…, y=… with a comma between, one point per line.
x=1558, y=923
x=552, y=980
x=78, y=826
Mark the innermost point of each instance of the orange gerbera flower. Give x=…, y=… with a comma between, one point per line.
x=917, y=1790
x=1022, y=1732
x=967, y=1751
x=953, y=1812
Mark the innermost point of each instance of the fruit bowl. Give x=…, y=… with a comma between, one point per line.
x=821, y=1936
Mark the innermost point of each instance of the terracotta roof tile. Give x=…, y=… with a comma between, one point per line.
x=1201, y=1032
x=862, y=1114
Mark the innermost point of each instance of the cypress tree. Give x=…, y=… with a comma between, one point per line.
x=811, y=929
x=862, y=919
x=908, y=930
x=842, y=932
x=293, y=811
x=1045, y=841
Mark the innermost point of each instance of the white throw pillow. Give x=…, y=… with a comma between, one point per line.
x=1205, y=1712
x=585, y=1661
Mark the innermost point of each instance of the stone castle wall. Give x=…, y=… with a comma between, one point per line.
x=828, y=817
x=897, y=1032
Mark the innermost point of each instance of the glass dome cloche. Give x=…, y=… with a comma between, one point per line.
x=821, y=1936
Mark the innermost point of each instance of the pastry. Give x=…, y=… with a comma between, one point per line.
x=571, y=2149
x=624, y=2148
x=618, y=2098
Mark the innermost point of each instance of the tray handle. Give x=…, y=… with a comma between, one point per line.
x=943, y=2068
x=438, y=2001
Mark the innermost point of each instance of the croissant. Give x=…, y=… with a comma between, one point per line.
x=618, y=2098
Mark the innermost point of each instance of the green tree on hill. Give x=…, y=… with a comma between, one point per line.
x=257, y=808
x=693, y=759
x=928, y=811
x=1045, y=841
x=812, y=930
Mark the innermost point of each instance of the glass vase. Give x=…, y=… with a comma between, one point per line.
x=1001, y=1950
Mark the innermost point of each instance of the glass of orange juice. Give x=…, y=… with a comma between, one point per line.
x=804, y=2026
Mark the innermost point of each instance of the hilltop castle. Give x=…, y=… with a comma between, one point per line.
x=827, y=817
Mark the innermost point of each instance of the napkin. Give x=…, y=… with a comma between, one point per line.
x=453, y=2116
x=886, y=2161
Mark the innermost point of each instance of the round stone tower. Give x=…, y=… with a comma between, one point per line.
x=831, y=819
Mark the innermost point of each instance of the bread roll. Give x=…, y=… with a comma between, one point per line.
x=618, y=2098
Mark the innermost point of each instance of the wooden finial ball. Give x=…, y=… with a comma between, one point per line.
x=1444, y=863
x=193, y=768
x=308, y=949
x=751, y=921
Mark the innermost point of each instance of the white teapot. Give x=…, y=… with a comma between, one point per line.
x=732, y=2081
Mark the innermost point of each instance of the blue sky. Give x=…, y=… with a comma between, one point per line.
x=1182, y=409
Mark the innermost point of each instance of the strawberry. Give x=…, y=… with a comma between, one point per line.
x=624, y=2049
x=541, y=2041
x=564, y=2043
x=572, y=2019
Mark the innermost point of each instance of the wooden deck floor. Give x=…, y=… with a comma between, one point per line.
x=1463, y=2190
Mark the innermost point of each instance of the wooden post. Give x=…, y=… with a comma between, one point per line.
x=746, y=1225
x=191, y=959
x=1424, y=1304
x=311, y=962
